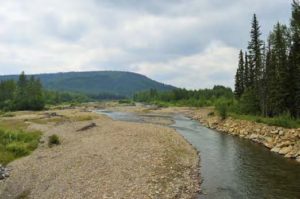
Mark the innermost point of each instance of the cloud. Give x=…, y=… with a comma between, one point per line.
x=188, y=43
x=214, y=65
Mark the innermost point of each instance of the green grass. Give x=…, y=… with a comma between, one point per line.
x=16, y=143
x=281, y=121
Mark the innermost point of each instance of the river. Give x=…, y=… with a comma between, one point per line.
x=232, y=167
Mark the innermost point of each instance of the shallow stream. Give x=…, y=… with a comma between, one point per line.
x=232, y=167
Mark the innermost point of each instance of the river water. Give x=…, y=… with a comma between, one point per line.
x=232, y=167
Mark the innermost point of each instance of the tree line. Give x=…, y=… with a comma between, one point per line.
x=183, y=97
x=24, y=94
x=27, y=93
x=267, y=80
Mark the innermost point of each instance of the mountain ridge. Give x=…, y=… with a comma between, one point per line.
x=96, y=82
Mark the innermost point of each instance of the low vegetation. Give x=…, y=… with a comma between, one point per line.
x=17, y=143
x=53, y=140
x=281, y=121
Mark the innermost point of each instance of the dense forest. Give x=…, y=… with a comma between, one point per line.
x=25, y=94
x=183, y=97
x=267, y=80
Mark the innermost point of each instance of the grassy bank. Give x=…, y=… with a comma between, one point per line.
x=280, y=121
x=15, y=142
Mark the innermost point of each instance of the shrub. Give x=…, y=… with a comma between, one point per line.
x=223, y=110
x=210, y=114
x=53, y=140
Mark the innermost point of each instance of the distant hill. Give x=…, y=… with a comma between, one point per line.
x=96, y=82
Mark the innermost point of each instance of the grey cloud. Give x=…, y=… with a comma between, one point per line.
x=150, y=37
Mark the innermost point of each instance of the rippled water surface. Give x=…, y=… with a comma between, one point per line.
x=232, y=167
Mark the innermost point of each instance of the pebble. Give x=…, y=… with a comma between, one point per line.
x=4, y=173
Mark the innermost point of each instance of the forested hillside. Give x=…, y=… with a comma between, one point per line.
x=98, y=83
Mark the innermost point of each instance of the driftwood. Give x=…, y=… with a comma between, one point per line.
x=91, y=125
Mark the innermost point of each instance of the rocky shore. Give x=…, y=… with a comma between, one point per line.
x=279, y=140
x=110, y=159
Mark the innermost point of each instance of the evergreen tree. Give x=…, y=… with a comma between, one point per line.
x=294, y=62
x=239, y=77
x=272, y=78
x=21, y=99
x=255, y=65
x=255, y=52
x=246, y=82
x=7, y=94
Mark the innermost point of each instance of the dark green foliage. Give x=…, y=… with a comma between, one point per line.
x=239, y=77
x=249, y=103
x=54, y=97
x=294, y=62
x=222, y=109
x=183, y=97
x=26, y=94
x=246, y=75
x=15, y=144
x=7, y=94
x=255, y=54
x=271, y=75
x=116, y=84
x=53, y=140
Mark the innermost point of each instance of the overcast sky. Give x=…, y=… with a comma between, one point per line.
x=186, y=43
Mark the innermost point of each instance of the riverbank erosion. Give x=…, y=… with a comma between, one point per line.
x=108, y=159
x=279, y=140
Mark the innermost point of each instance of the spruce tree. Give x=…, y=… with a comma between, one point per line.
x=239, y=77
x=21, y=93
x=246, y=73
x=255, y=64
x=294, y=62
x=255, y=52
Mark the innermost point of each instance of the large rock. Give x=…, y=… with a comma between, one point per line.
x=275, y=149
x=253, y=136
x=285, y=150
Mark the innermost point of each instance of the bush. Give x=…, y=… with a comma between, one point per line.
x=53, y=140
x=210, y=114
x=223, y=110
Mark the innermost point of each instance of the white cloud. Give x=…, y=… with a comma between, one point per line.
x=198, y=70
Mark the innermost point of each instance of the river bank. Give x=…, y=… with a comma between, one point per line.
x=283, y=141
x=113, y=159
x=279, y=140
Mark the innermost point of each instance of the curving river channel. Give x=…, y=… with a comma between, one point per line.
x=232, y=167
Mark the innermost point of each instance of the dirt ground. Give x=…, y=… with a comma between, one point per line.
x=112, y=160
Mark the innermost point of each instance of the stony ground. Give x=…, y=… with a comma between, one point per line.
x=112, y=160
